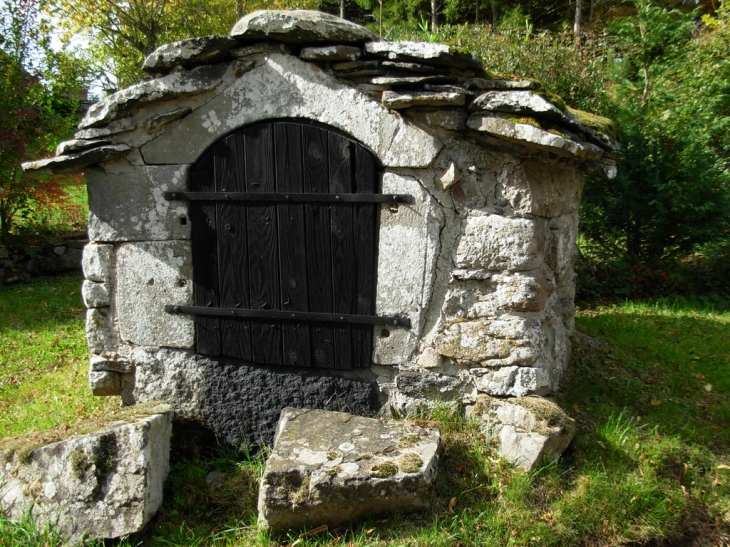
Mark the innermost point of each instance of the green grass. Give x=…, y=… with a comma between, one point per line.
x=43, y=357
x=648, y=466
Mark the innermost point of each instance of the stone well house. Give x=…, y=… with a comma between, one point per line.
x=302, y=214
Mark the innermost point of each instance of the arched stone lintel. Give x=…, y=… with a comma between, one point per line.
x=283, y=86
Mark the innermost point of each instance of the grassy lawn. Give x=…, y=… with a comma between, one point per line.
x=649, y=389
x=43, y=356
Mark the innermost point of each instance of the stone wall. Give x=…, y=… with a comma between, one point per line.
x=481, y=262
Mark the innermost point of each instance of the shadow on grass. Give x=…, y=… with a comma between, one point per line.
x=41, y=303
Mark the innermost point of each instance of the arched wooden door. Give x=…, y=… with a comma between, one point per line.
x=284, y=235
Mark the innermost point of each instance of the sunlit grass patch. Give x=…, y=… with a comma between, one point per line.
x=43, y=357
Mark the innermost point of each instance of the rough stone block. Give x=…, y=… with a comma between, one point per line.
x=114, y=363
x=105, y=383
x=187, y=53
x=397, y=100
x=492, y=342
x=100, y=480
x=95, y=295
x=151, y=275
x=528, y=430
x=331, y=467
x=409, y=245
x=331, y=53
x=493, y=242
x=512, y=381
x=131, y=207
x=425, y=52
x=299, y=27
x=99, y=335
x=97, y=262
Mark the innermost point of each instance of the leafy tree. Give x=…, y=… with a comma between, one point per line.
x=36, y=107
x=671, y=194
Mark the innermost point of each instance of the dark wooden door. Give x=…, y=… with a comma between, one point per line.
x=278, y=255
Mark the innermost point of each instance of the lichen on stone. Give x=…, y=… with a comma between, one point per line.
x=79, y=464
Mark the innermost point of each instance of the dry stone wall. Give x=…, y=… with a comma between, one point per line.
x=481, y=262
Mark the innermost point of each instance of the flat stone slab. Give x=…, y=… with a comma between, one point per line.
x=423, y=52
x=300, y=27
x=528, y=430
x=188, y=53
x=98, y=480
x=331, y=53
x=73, y=163
x=395, y=100
x=332, y=467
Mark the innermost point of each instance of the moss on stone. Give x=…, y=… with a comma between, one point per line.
x=302, y=493
x=332, y=455
x=410, y=463
x=333, y=471
x=79, y=464
x=408, y=441
x=550, y=417
x=383, y=470
x=556, y=100
x=594, y=121
x=22, y=446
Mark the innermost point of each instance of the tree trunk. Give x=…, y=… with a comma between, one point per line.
x=493, y=3
x=434, y=15
x=476, y=13
x=342, y=9
x=381, y=17
x=576, y=24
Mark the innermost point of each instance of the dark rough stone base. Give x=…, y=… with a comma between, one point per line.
x=244, y=401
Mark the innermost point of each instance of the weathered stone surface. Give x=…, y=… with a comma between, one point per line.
x=543, y=188
x=287, y=87
x=425, y=52
x=513, y=381
x=493, y=242
x=449, y=177
x=401, y=66
x=99, y=336
x=498, y=342
x=397, y=100
x=526, y=133
x=452, y=119
x=562, y=250
x=355, y=65
x=331, y=53
x=98, y=262
x=331, y=467
x=151, y=275
x=483, y=83
x=299, y=27
x=409, y=80
x=130, y=206
x=105, y=482
x=605, y=170
x=156, y=122
x=407, y=252
x=74, y=163
x=521, y=102
x=189, y=53
x=95, y=295
x=114, y=363
x=241, y=403
x=78, y=145
x=190, y=82
x=527, y=430
x=105, y=383
x=258, y=49
x=432, y=387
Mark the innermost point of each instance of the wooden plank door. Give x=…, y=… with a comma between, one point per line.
x=307, y=257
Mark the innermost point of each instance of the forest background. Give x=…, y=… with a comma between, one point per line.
x=659, y=69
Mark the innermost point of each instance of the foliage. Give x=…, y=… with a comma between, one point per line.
x=37, y=105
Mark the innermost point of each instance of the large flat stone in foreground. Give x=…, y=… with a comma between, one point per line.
x=105, y=481
x=327, y=468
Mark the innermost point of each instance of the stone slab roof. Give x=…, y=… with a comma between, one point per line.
x=399, y=75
